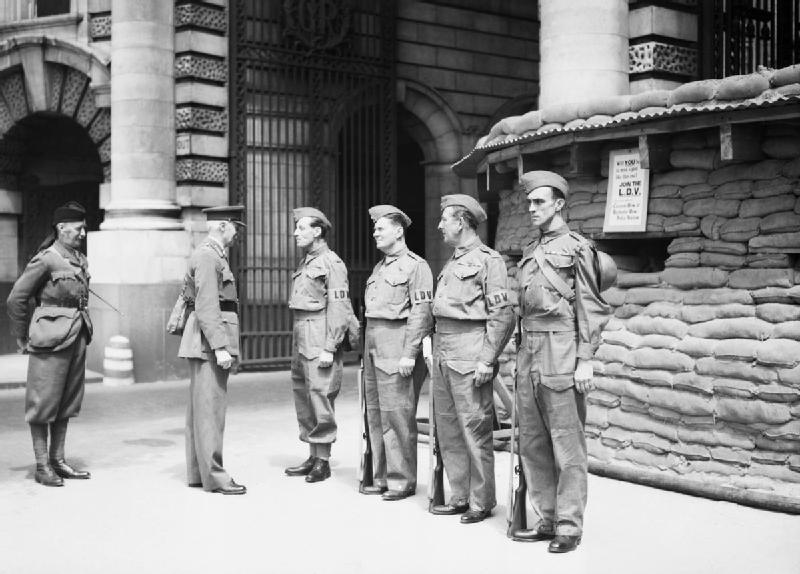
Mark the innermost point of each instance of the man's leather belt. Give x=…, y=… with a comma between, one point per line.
x=80, y=304
x=227, y=306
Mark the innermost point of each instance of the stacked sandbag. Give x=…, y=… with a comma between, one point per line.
x=514, y=230
x=699, y=375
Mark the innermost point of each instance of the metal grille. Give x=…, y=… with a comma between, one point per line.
x=313, y=120
x=741, y=35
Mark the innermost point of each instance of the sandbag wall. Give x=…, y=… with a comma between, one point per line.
x=698, y=374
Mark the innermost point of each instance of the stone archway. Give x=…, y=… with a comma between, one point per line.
x=438, y=132
x=53, y=123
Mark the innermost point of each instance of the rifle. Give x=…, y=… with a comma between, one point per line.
x=436, y=480
x=365, y=477
x=516, y=514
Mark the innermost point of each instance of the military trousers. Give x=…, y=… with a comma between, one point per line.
x=205, y=424
x=55, y=386
x=391, y=405
x=315, y=390
x=463, y=416
x=552, y=447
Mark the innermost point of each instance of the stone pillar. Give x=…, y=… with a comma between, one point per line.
x=584, y=50
x=142, y=117
x=138, y=258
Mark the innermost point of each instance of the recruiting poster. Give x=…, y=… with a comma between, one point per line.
x=628, y=186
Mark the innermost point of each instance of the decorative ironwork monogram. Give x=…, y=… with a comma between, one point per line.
x=317, y=25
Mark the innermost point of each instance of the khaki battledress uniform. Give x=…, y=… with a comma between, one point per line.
x=474, y=320
x=398, y=310
x=556, y=333
x=321, y=305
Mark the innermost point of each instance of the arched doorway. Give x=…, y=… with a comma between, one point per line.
x=58, y=163
x=411, y=181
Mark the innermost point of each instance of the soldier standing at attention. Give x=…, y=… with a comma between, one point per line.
x=321, y=303
x=398, y=311
x=211, y=343
x=56, y=336
x=562, y=317
x=474, y=320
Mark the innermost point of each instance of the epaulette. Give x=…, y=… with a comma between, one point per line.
x=414, y=256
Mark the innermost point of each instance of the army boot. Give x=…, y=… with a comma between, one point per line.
x=58, y=436
x=44, y=474
x=320, y=472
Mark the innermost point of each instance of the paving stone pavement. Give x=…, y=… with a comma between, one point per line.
x=137, y=516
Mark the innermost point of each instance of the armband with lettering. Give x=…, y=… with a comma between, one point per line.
x=421, y=296
x=338, y=294
x=497, y=299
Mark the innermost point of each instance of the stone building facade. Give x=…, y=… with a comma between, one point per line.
x=131, y=108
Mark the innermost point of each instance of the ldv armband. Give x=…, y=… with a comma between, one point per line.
x=497, y=299
x=422, y=296
x=338, y=294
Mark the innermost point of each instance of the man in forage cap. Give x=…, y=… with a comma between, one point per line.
x=474, y=320
x=562, y=317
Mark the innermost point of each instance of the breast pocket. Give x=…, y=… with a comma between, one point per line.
x=67, y=284
x=397, y=288
x=468, y=288
x=314, y=284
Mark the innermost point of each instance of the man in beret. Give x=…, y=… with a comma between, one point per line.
x=55, y=335
x=398, y=301
x=210, y=342
x=562, y=317
x=474, y=320
x=320, y=300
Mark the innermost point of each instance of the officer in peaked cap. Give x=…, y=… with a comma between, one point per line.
x=320, y=300
x=474, y=320
x=210, y=342
x=398, y=301
x=55, y=336
x=562, y=317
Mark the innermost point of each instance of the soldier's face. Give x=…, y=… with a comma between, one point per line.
x=72, y=233
x=386, y=234
x=543, y=205
x=304, y=233
x=228, y=231
x=450, y=226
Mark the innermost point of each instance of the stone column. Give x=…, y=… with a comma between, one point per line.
x=142, y=117
x=584, y=50
x=138, y=258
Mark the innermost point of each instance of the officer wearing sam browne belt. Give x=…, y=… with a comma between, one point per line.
x=398, y=311
x=321, y=303
x=563, y=315
x=210, y=342
x=474, y=320
x=56, y=336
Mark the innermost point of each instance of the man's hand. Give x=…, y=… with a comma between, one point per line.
x=325, y=359
x=22, y=345
x=224, y=359
x=483, y=373
x=583, y=376
x=405, y=366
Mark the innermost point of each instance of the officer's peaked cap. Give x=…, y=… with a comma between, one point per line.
x=467, y=202
x=301, y=212
x=232, y=213
x=70, y=211
x=531, y=180
x=378, y=211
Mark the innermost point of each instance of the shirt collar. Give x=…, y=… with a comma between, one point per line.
x=213, y=242
x=315, y=252
x=387, y=259
x=547, y=236
x=467, y=247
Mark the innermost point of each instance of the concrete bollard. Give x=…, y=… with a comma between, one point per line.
x=118, y=362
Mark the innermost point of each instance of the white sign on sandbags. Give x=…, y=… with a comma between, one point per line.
x=628, y=187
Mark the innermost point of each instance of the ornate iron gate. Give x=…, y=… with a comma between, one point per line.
x=312, y=123
x=740, y=35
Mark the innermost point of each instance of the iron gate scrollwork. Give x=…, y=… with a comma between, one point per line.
x=312, y=123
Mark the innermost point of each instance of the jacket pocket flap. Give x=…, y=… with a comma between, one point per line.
x=56, y=275
x=461, y=366
x=315, y=272
x=47, y=312
x=464, y=271
x=395, y=280
x=230, y=317
x=388, y=366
